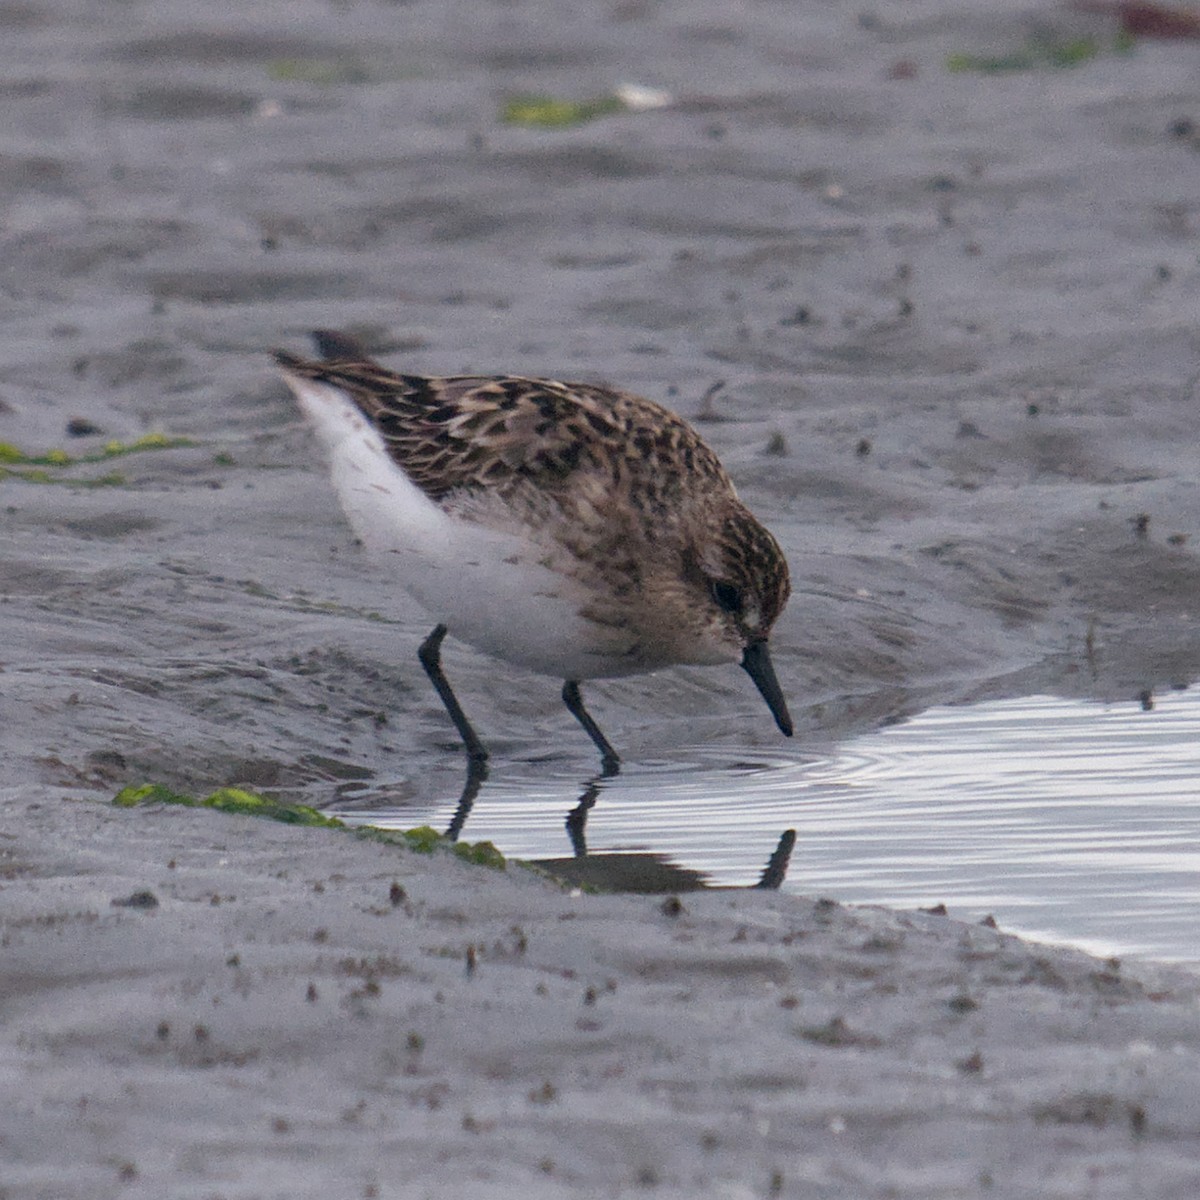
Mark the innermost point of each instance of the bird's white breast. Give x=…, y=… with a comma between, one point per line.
x=487, y=583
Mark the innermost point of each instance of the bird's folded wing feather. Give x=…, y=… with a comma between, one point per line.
x=507, y=431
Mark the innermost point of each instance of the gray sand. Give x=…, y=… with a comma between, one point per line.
x=278, y=1027
x=964, y=306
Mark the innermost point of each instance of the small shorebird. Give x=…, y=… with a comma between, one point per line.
x=578, y=531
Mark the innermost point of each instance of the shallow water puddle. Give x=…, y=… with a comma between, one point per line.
x=1067, y=821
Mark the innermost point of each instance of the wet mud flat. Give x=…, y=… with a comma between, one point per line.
x=207, y=1004
x=954, y=312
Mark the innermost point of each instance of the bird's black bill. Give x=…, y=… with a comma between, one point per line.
x=756, y=662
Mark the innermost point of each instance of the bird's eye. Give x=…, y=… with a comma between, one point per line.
x=726, y=595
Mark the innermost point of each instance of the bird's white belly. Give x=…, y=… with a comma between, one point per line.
x=488, y=586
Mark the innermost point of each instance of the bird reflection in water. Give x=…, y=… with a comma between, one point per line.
x=645, y=873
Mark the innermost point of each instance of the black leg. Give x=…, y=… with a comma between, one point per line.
x=577, y=818
x=430, y=655
x=776, y=869
x=477, y=773
x=609, y=759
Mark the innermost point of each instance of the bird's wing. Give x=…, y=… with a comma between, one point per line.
x=503, y=432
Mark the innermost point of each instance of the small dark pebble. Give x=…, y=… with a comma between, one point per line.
x=1182, y=127
x=863, y=448
x=82, y=427
x=936, y=910
x=707, y=411
x=971, y=1065
x=108, y=765
x=397, y=895
x=142, y=899
x=672, y=906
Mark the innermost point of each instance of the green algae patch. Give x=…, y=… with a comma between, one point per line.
x=15, y=456
x=480, y=854
x=547, y=112
x=323, y=72
x=234, y=800
x=16, y=463
x=150, y=793
x=148, y=441
x=1039, y=54
x=422, y=840
x=228, y=800
x=40, y=475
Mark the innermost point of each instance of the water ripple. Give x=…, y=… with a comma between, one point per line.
x=1066, y=820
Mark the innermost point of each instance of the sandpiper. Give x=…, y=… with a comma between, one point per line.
x=576, y=530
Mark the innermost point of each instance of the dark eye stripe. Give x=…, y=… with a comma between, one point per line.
x=727, y=596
